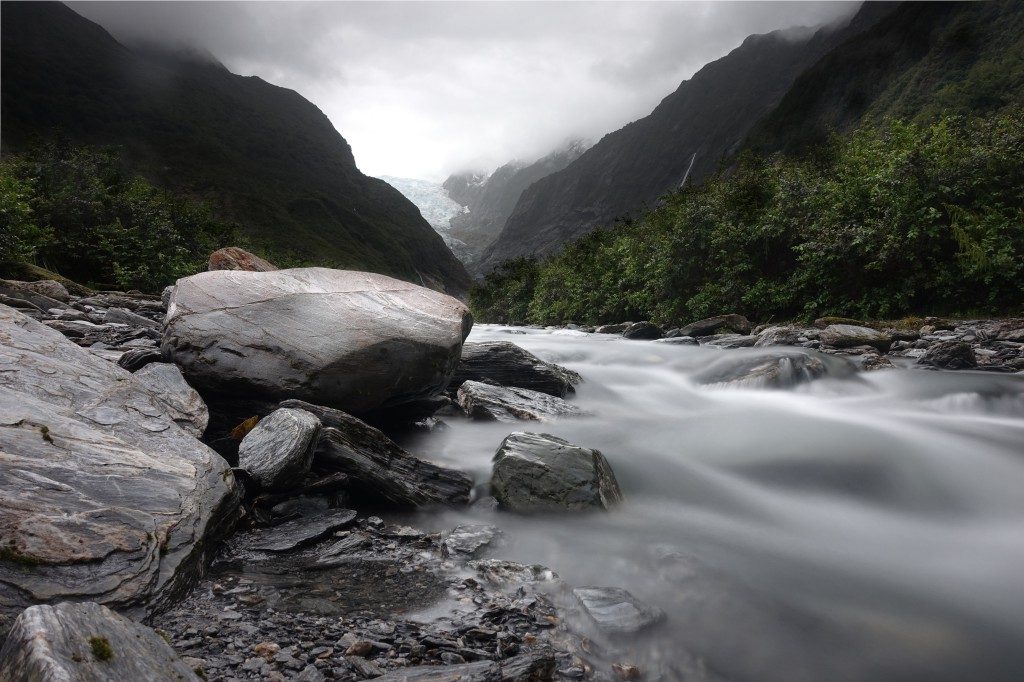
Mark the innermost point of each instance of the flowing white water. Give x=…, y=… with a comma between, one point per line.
x=864, y=527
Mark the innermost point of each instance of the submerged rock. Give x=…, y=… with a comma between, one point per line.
x=378, y=469
x=235, y=258
x=509, y=404
x=776, y=369
x=278, y=451
x=84, y=642
x=102, y=494
x=848, y=336
x=615, y=610
x=949, y=355
x=541, y=473
x=352, y=340
x=507, y=364
x=712, y=325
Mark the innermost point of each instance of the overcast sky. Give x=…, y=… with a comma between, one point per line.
x=424, y=89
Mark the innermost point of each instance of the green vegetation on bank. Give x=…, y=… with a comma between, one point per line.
x=77, y=211
x=888, y=220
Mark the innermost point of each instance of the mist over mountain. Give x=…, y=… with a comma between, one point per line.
x=263, y=155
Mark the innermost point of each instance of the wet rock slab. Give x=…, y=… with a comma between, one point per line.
x=87, y=642
x=615, y=610
x=302, y=531
x=506, y=364
x=504, y=404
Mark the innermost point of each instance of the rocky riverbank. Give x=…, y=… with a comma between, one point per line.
x=218, y=463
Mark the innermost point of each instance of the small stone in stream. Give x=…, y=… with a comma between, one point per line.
x=235, y=258
x=949, y=355
x=615, y=610
x=503, y=572
x=504, y=404
x=278, y=451
x=506, y=364
x=642, y=331
x=377, y=467
x=294, y=534
x=86, y=641
x=542, y=473
x=187, y=408
x=678, y=341
x=137, y=358
x=848, y=335
x=613, y=328
x=711, y=325
x=469, y=540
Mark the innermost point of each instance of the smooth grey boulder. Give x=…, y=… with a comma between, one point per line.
x=949, y=355
x=187, y=408
x=278, y=451
x=87, y=642
x=506, y=364
x=615, y=610
x=470, y=540
x=353, y=340
x=643, y=331
x=378, y=469
x=771, y=369
x=536, y=472
x=103, y=497
x=848, y=336
x=712, y=325
x=303, y=531
x=508, y=404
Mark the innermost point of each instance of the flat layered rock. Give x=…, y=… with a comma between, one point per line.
x=848, y=336
x=278, y=451
x=506, y=364
x=352, y=340
x=103, y=497
x=536, y=472
x=615, y=610
x=294, y=534
x=87, y=642
x=378, y=469
x=187, y=408
x=509, y=404
x=729, y=341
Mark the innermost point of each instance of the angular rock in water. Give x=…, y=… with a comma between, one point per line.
x=615, y=610
x=508, y=404
x=469, y=540
x=949, y=355
x=613, y=328
x=102, y=496
x=728, y=341
x=532, y=666
x=278, y=451
x=235, y=258
x=848, y=335
x=678, y=341
x=137, y=358
x=536, y=472
x=503, y=572
x=779, y=336
x=712, y=325
x=308, y=529
x=352, y=340
x=86, y=641
x=778, y=369
x=377, y=467
x=643, y=331
x=506, y=364
x=187, y=408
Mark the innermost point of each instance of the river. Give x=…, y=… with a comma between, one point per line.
x=865, y=526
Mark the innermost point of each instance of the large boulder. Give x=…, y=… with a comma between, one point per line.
x=717, y=324
x=849, y=336
x=949, y=355
x=643, y=331
x=87, y=643
x=352, y=340
x=378, y=469
x=278, y=451
x=103, y=497
x=507, y=364
x=508, y=404
x=234, y=258
x=535, y=472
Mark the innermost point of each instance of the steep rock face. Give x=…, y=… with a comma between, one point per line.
x=490, y=202
x=266, y=156
x=352, y=340
x=685, y=138
x=102, y=496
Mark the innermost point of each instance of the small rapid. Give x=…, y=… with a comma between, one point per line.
x=847, y=526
